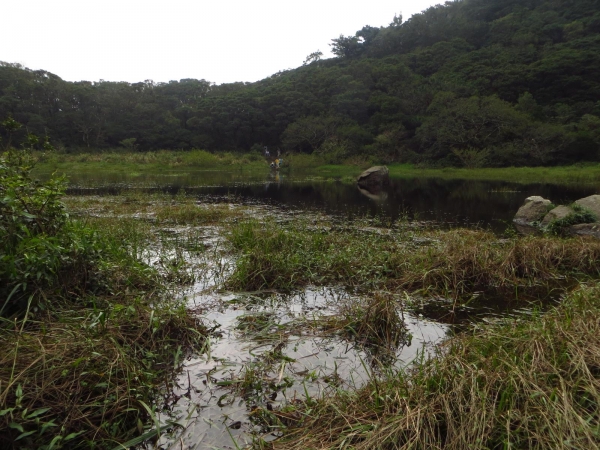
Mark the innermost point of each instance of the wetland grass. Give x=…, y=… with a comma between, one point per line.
x=453, y=263
x=374, y=322
x=523, y=383
x=85, y=376
x=378, y=322
x=161, y=209
x=574, y=174
x=126, y=161
x=89, y=331
x=531, y=382
x=85, y=365
x=123, y=161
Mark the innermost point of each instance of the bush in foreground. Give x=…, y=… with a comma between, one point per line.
x=88, y=334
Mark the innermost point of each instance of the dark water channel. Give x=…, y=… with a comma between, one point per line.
x=259, y=361
x=488, y=204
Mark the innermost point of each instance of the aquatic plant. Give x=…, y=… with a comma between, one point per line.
x=378, y=322
x=579, y=215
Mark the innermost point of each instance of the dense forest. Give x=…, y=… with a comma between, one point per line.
x=468, y=83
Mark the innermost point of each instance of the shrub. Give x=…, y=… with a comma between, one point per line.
x=580, y=215
x=32, y=220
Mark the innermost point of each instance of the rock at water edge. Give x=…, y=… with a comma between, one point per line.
x=377, y=175
x=586, y=229
x=534, y=209
x=591, y=203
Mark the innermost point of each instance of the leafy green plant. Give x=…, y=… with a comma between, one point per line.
x=32, y=220
x=580, y=214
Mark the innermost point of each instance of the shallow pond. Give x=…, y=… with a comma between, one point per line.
x=268, y=349
x=450, y=202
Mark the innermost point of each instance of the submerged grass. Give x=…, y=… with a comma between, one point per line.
x=527, y=383
x=161, y=209
x=375, y=323
x=452, y=263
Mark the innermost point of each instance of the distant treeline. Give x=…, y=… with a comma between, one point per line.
x=470, y=83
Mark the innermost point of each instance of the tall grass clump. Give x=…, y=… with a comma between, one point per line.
x=526, y=383
x=455, y=263
x=88, y=333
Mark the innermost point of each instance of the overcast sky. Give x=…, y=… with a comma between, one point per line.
x=219, y=40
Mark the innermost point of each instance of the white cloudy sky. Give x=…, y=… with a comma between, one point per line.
x=220, y=41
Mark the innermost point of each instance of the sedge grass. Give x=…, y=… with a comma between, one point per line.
x=121, y=160
x=451, y=263
x=574, y=174
x=532, y=382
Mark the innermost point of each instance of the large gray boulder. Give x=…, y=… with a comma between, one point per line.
x=534, y=210
x=591, y=203
x=374, y=176
x=560, y=212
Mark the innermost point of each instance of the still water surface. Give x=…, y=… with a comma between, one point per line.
x=453, y=202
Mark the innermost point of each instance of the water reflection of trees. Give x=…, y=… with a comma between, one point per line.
x=462, y=201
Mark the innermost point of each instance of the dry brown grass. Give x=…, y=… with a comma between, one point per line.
x=464, y=259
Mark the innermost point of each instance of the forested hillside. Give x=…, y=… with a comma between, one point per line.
x=471, y=83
